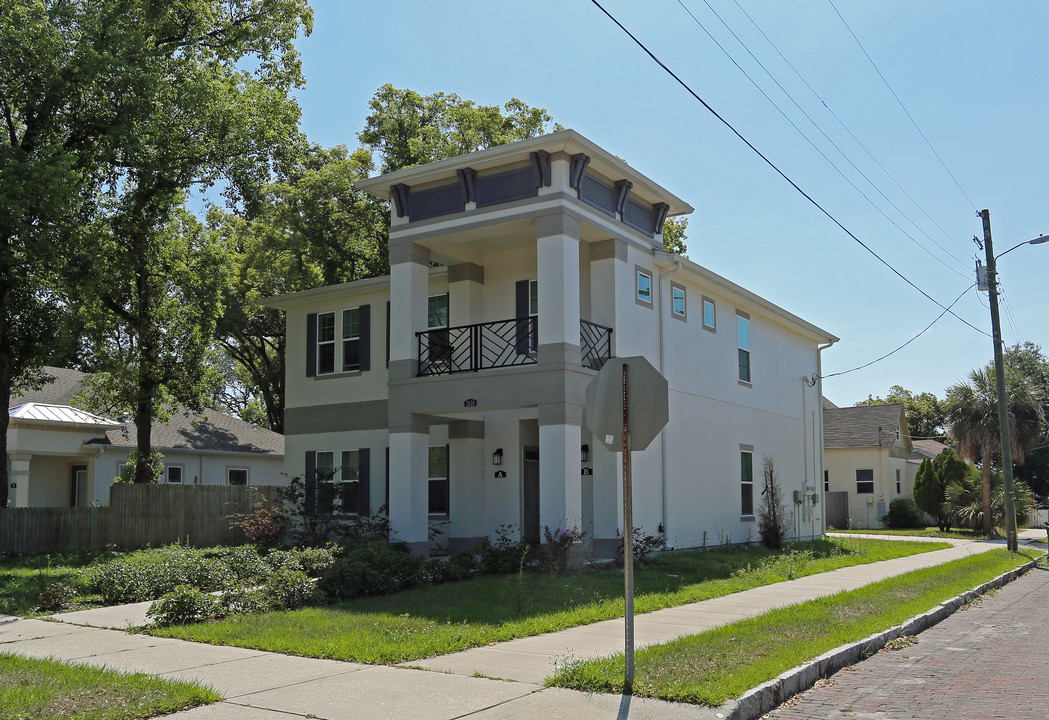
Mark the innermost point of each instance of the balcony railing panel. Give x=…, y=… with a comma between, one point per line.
x=595, y=344
x=504, y=343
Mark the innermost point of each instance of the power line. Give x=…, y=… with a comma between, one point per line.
x=901, y=347
x=783, y=175
x=825, y=137
x=852, y=135
x=904, y=107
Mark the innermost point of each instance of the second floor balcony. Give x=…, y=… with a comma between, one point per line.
x=503, y=343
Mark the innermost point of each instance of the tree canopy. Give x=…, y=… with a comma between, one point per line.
x=926, y=415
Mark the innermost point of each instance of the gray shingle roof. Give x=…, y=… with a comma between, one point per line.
x=213, y=432
x=858, y=426
x=932, y=448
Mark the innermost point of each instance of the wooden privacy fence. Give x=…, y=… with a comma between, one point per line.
x=137, y=516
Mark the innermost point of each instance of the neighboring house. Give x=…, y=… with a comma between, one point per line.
x=866, y=452
x=60, y=455
x=453, y=390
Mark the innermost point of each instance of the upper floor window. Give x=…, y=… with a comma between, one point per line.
x=644, y=287
x=677, y=300
x=864, y=482
x=743, y=341
x=325, y=343
x=709, y=315
x=351, y=339
x=533, y=298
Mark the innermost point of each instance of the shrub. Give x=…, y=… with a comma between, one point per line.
x=185, y=604
x=264, y=525
x=288, y=589
x=245, y=600
x=558, y=547
x=504, y=554
x=644, y=544
x=311, y=560
x=55, y=595
x=460, y=566
x=772, y=517
x=374, y=569
x=244, y=564
x=148, y=574
x=903, y=513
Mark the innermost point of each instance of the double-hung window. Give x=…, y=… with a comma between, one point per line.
x=351, y=340
x=437, y=324
x=438, y=480
x=746, y=481
x=349, y=481
x=899, y=483
x=826, y=481
x=864, y=482
x=325, y=343
x=533, y=312
x=743, y=342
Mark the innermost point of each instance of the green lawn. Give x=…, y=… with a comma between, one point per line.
x=714, y=666
x=31, y=688
x=932, y=531
x=435, y=620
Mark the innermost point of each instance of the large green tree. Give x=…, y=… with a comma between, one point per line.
x=973, y=421
x=926, y=415
x=1028, y=360
x=931, y=483
x=112, y=107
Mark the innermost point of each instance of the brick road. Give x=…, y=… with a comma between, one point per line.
x=985, y=662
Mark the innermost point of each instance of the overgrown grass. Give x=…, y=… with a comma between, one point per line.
x=932, y=531
x=24, y=577
x=711, y=667
x=32, y=688
x=441, y=619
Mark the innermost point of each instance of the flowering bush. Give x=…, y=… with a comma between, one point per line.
x=559, y=544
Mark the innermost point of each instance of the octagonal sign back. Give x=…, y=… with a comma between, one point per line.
x=647, y=402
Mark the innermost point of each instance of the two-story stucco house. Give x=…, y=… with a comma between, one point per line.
x=454, y=389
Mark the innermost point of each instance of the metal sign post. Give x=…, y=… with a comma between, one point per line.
x=628, y=543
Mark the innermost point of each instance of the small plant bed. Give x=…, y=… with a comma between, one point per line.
x=439, y=619
x=40, y=584
x=714, y=666
x=33, y=688
x=931, y=532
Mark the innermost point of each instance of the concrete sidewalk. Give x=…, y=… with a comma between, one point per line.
x=267, y=686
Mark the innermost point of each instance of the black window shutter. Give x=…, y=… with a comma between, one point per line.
x=311, y=344
x=387, y=334
x=310, y=484
x=364, y=465
x=365, y=314
x=522, y=315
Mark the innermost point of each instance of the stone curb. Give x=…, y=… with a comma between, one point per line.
x=765, y=697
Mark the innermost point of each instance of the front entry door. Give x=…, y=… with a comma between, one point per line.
x=79, y=496
x=530, y=494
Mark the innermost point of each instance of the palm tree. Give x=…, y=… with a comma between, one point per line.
x=972, y=419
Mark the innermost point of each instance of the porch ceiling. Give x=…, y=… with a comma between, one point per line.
x=471, y=245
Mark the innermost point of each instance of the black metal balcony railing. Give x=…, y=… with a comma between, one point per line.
x=503, y=343
x=595, y=342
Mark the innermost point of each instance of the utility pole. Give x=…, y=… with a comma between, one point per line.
x=999, y=372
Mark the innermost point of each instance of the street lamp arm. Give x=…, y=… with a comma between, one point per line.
x=1037, y=241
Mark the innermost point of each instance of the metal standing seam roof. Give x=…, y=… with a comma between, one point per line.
x=58, y=415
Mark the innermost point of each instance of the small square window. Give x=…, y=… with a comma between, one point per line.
x=709, y=315
x=174, y=473
x=677, y=300
x=237, y=476
x=644, y=287
x=864, y=482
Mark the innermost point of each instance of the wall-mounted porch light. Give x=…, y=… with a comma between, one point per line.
x=584, y=453
x=497, y=457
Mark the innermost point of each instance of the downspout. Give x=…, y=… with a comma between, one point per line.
x=822, y=467
x=663, y=432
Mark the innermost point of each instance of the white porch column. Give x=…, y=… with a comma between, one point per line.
x=560, y=468
x=409, y=481
x=19, y=479
x=466, y=298
x=466, y=485
x=409, y=287
x=557, y=249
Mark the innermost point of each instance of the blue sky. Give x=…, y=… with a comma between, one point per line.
x=973, y=75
